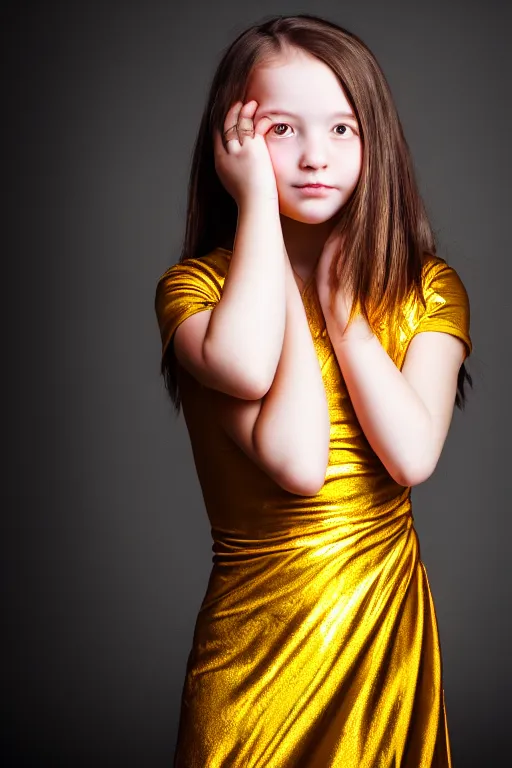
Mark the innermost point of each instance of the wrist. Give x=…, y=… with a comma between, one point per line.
x=356, y=332
x=259, y=201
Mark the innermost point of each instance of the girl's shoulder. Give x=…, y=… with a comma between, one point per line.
x=189, y=286
x=446, y=307
x=433, y=265
x=442, y=284
x=212, y=267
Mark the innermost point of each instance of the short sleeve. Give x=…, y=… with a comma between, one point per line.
x=447, y=304
x=191, y=286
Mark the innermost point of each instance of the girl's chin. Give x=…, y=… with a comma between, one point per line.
x=319, y=216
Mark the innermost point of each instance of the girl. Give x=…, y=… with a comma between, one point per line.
x=317, y=343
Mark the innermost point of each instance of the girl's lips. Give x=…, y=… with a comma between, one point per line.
x=315, y=190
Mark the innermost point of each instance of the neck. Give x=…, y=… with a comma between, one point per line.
x=304, y=244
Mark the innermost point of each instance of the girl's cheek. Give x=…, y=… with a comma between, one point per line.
x=276, y=157
x=273, y=157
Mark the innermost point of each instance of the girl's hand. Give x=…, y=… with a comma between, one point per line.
x=242, y=159
x=337, y=310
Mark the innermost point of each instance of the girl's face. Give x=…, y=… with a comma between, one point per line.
x=314, y=137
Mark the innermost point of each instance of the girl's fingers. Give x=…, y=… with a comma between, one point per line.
x=245, y=120
x=239, y=114
x=232, y=115
x=262, y=125
x=249, y=109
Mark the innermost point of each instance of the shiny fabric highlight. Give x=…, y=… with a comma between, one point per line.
x=316, y=643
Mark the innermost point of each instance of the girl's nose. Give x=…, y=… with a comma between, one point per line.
x=313, y=155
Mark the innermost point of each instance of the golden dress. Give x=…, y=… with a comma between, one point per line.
x=316, y=643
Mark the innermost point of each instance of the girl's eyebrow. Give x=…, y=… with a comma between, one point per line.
x=274, y=113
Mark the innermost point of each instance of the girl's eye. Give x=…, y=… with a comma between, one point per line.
x=342, y=125
x=280, y=125
x=285, y=125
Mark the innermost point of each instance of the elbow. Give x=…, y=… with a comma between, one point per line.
x=413, y=473
x=305, y=483
x=259, y=386
x=306, y=474
x=418, y=463
x=255, y=386
x=254, y=377
x=260, y=381
x=250, y=389
x=239, y=380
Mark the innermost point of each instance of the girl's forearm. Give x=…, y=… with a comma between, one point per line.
x=246, y=329
x=392, y=415
x=293, y=428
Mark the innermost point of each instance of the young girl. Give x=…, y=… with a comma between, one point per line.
x=316, y=342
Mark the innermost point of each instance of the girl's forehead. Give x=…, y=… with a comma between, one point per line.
x=296, y=84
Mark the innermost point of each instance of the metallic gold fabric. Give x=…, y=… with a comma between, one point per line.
x=316, y=643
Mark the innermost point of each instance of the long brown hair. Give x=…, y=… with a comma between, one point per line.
x=384, y=226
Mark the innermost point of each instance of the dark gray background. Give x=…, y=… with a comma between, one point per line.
x=107, y=543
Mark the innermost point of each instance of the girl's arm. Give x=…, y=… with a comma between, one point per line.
x=287, y=432
x=406, y=414
x=293, y=427
x=244, y=337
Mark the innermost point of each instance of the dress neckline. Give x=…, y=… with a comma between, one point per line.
x=307, y=283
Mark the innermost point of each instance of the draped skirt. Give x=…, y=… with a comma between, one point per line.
x=317, y=646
